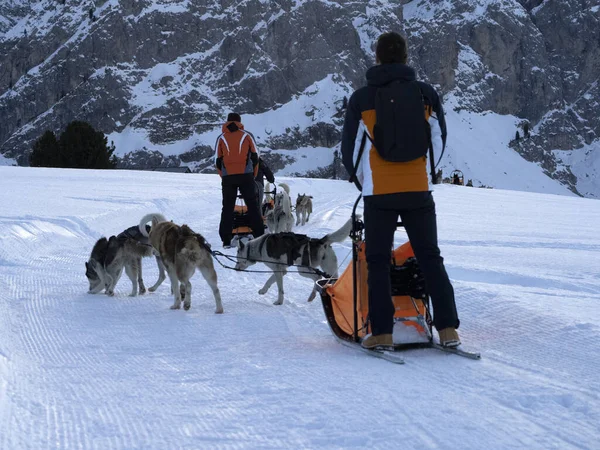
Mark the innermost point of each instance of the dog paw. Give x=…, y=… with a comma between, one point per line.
x=152, y=289
x=142, y=291
x=186, y=306
x=176, y=306
x=219, y=311
x=110, y=294
x=278, y=302
x=263, y=291
x=133, y=295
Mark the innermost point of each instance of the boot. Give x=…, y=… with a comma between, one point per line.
x=449, y=337
x=379, y=341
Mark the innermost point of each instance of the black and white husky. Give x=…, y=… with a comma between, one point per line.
x=278, y=251
x=125, y=251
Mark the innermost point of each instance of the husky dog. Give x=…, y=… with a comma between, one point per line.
x=278, y=251
x=182, y=251
x=280, y=218
x=110, y=256
x=303, y=208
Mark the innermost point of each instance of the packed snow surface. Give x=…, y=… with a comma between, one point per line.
x=95, y=372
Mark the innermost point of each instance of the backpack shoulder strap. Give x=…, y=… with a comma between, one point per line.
x=360, y=153
x=432, y=164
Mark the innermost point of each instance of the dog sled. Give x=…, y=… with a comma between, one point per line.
x=346, y=306
x=457, y=177
x=241, y=219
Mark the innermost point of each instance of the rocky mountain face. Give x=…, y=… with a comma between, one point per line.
x=537, y=60
x=159, y=76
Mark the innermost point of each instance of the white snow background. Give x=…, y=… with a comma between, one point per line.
x=94, y=372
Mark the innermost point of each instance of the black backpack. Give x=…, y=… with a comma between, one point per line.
x=401, y=133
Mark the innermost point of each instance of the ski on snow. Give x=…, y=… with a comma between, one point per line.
x=388, y=355
x=458, y=351
x=394, y=356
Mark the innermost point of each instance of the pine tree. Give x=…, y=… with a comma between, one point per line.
x=79, y=146
x=517, y=136
x=85, y=148
x=526, y=129
x=46, y=151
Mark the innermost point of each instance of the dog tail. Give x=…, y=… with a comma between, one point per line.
x=339, y=235
x=285, y=187
x=147, y=218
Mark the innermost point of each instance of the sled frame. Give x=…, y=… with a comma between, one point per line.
x=425, y=321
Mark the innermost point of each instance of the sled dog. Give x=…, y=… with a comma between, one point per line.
x=125, y=251
x=303, y=208
x=280, y=218
x=182, y=251
x=278, y=251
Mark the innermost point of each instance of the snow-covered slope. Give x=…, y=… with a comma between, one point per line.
x=83, y=371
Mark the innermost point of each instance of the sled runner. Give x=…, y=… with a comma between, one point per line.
x=346, y=306
x=269, y=201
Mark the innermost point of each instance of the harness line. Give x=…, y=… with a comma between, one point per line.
x=235, y=258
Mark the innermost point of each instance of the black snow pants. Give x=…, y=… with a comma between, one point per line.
x=417, y=211
x=247, y=187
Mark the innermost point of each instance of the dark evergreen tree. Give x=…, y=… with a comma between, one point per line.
x=526, y=129
x=517, y=136
x=79, y=146
x=85, y=148
x=345, y=103
x=46, y=151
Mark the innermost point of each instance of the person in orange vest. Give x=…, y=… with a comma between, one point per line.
x=392, y=176
x=237, y=164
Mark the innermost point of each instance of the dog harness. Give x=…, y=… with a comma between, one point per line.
x=293, y=245
x=134, y=233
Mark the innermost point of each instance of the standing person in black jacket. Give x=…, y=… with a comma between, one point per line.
x=392, y=189
x=263, y=172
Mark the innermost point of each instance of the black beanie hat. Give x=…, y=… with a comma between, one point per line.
x=234, y=117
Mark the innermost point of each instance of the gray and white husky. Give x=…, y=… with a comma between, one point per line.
x=280, y=218
x=125, y=251
x=182, y=251
x=303, y=208
x=278, y=251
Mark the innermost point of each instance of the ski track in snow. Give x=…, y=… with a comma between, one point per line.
x=83, y=371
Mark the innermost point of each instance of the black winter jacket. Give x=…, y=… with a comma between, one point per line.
x=264, y=172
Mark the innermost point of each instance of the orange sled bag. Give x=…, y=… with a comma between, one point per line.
x=346, y=303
